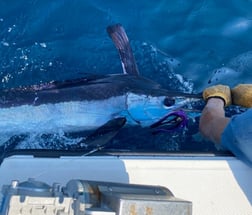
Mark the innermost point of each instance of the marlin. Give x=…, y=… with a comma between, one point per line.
x=88, y=103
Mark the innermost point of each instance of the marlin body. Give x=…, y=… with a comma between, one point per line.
x=88, y=103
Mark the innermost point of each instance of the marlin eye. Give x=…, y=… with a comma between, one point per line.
x=169, y=101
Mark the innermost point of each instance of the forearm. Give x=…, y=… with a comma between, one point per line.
x=213, y=120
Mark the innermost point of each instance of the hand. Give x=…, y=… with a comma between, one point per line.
x=242, y=95
x=218, y=91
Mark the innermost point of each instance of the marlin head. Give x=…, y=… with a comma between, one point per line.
x=147, y=102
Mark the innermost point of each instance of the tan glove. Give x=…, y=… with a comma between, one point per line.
x=242, y=95
x=218, y=91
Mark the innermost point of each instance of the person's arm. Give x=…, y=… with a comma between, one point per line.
x=233, y=134
x=213, y=121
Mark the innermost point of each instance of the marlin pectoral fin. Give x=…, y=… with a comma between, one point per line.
x=103, y=134
x=121, y=41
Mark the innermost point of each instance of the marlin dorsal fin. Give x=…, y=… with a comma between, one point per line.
x=121, y=41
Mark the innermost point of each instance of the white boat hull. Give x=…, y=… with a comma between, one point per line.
x=214, y=185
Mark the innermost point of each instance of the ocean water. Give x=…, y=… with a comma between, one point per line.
x=183, y=45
